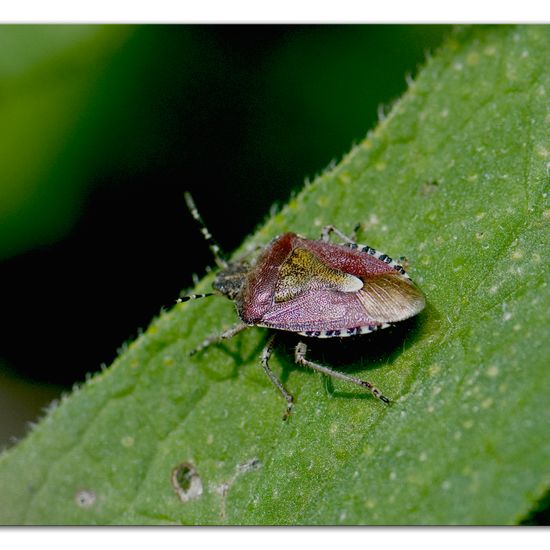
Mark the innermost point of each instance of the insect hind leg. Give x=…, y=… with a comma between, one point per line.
x=300, y=358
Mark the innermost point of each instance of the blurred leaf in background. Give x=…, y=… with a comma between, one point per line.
x=47, y=77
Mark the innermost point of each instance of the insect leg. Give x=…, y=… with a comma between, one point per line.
x=328, y=229
x=193, y=297
x=300, y=358
x=404, y=261
x=216, y=338
x=266, y=354
x=356, y=229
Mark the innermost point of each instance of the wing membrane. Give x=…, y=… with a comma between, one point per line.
x=390, y=297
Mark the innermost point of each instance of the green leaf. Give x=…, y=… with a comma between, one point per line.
x=456, y=179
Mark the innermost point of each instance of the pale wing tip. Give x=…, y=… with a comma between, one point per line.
x=418, y=303
x=391, y=297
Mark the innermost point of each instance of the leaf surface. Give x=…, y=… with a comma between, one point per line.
x=456, y=179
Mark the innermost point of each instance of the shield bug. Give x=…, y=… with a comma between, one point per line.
x=314, y=288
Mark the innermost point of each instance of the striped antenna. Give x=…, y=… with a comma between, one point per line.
x=212, y=244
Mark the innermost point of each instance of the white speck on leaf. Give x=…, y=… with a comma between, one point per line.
x=85, y=498
x=127, y=441
x=186, y=482
x=492, y=371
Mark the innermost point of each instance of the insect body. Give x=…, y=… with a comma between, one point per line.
x=316, y=289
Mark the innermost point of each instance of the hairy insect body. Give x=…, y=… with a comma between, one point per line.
x=316, y=289
x=306, y=286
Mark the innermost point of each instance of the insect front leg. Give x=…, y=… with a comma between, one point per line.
x=266, y=354
x=217, y=338
x=300, y=358
x=328, y=229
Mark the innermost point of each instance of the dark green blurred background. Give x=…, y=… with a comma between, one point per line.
x=102, y=128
